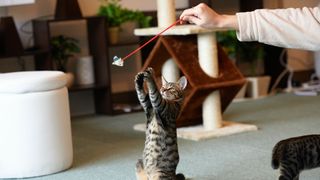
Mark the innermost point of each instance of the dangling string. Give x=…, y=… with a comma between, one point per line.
x=119, y=61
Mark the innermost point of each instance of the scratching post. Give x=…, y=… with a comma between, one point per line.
x=211, y=111
x=208, y=60
x=166, y=16
x=193, y=51
x=166, y=12
x=170, y=71
x=207, y=52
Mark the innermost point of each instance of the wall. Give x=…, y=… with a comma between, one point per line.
x=299, y=3
x=272, y=4
x=226, y=6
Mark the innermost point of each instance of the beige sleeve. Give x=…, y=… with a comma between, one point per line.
x=289, y=28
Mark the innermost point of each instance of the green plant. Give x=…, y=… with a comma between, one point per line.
x=62, y=48
x=242, y=52
x=116, y=14
x=228, y=41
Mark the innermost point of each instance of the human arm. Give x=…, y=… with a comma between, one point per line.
x=289, y=28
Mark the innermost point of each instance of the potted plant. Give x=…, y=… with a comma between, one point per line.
x=248, y=56
x=62, y=48
x=117, y=15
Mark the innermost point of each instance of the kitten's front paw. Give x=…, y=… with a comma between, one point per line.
x=148, y=72
x=139, y=79
x=139, y=165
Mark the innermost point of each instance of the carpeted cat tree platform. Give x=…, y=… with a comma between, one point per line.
x=213, y=80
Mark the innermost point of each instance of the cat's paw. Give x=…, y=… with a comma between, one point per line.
x=139, y=79
x=149, y=70
x=139, y=166
x=148, y=73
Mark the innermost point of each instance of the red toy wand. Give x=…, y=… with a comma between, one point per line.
x=119, y=61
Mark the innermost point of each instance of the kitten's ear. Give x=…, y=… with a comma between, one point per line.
x=164, y=81
x=183, y=82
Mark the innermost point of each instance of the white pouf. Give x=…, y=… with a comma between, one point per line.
x=35, y=128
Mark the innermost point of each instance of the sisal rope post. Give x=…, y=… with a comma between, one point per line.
x=208, y=59
x=166, y=12
x=166, y=16
x=170, y=71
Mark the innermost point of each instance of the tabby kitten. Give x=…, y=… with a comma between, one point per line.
x=160, y=155
x=296, y=154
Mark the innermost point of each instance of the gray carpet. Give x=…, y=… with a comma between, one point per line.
x=106, y=148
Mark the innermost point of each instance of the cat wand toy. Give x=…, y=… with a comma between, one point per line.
x=120, y=61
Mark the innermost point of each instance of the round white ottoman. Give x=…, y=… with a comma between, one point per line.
x=35, y=130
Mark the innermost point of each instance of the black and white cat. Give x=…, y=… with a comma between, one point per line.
x=296, y=154
x=160, y=155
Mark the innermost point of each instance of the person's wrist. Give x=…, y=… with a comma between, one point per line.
x=229, y=22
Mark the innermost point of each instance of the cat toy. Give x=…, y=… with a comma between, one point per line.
x=118, y=61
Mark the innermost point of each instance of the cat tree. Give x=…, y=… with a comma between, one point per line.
x=213, y=79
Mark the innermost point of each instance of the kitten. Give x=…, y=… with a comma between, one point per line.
x=296, y=154
x=160, y=155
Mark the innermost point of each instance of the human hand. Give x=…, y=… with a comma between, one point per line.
x=202, y=15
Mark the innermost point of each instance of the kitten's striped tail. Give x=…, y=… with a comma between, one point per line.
x=277, y=154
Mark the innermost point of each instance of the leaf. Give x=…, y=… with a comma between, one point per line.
x=62, y=48
x=117, y=15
